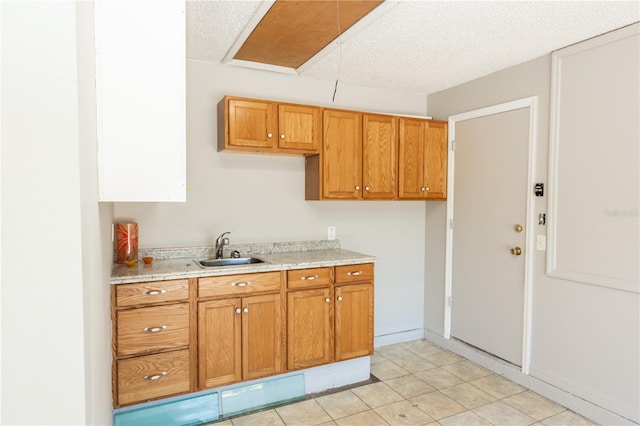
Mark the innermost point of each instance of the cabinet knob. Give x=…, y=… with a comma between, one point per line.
x=426, y=188
x=327, y=300
x=269, y=135
x=245, y=310
x=366, y=188
x=281, y=135
x=422, y=189
x=238, y=310
x=339, y=298
x=357, y=187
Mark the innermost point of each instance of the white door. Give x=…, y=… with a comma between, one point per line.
x=489, y=220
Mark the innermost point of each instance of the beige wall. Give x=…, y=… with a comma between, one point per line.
x=585, y=338
x=96, y=224
x=56, y=334
x=260, y=198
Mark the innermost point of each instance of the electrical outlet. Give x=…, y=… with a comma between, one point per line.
x=331, y=233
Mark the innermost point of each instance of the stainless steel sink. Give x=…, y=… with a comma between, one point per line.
x=216, y=263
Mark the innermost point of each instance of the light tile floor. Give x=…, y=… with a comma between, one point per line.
x=421, y=384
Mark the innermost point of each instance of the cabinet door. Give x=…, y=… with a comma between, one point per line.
x=379, y=157
x=436, y=160
x=411, y=158
x=262, y=336
x=219, y=342
x=309, y=328
x=251, y=124
x=299, y=128
x=140, y=100
x=354, y=321
x=342, y=155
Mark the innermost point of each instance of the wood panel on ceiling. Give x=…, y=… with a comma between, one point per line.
x=292, y=32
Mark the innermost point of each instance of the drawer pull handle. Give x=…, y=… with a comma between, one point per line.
x=355, y=274
x=154, y=292
x=156, y=376
x=310, y=278
x=154, y=329
x=241, y=284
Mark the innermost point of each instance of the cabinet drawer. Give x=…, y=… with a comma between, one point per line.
x=151, y=292
x=238, y=284
x=302, y=278
x=354, y=273
x=145, y=330
x=153, y=376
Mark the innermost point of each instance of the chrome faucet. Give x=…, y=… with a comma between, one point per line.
x=221, y=241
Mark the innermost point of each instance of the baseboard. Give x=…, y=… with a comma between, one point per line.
x=399, y=337
x=581, y=406
x=337, y=374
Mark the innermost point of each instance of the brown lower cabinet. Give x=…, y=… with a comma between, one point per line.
x=332, y=322
x=179, y=336
x=309, y=318
x=354, y=321
x=153, y=340
x=239, y=339
x=240, y=334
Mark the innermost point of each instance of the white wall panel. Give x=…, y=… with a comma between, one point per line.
x=594, y=186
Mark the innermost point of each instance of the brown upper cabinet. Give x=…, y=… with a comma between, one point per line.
x=341, y=155
x=358, y=159
x=379, y=157
x=422, y=159
x=350, y=155
x=252, y=125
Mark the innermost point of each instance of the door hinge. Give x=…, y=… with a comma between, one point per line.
x=453, y=145
x=450, y=300
x=451, y=223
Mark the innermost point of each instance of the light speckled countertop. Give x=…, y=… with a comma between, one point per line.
x=179, y=263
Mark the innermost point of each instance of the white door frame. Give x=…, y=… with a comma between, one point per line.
x=530, y=223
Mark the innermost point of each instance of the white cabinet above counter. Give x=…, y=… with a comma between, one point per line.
x=140, y=100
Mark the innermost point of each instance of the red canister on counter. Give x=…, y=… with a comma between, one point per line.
x=126, y=241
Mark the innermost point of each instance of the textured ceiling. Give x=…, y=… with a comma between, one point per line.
x=422, y=46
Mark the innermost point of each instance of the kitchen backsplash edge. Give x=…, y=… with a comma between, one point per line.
x=246, y=250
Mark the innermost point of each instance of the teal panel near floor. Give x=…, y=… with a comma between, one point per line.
x=261, y=395
x=185, y=412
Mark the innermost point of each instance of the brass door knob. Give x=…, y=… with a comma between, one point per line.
x=516, y=251
x=518, y=228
